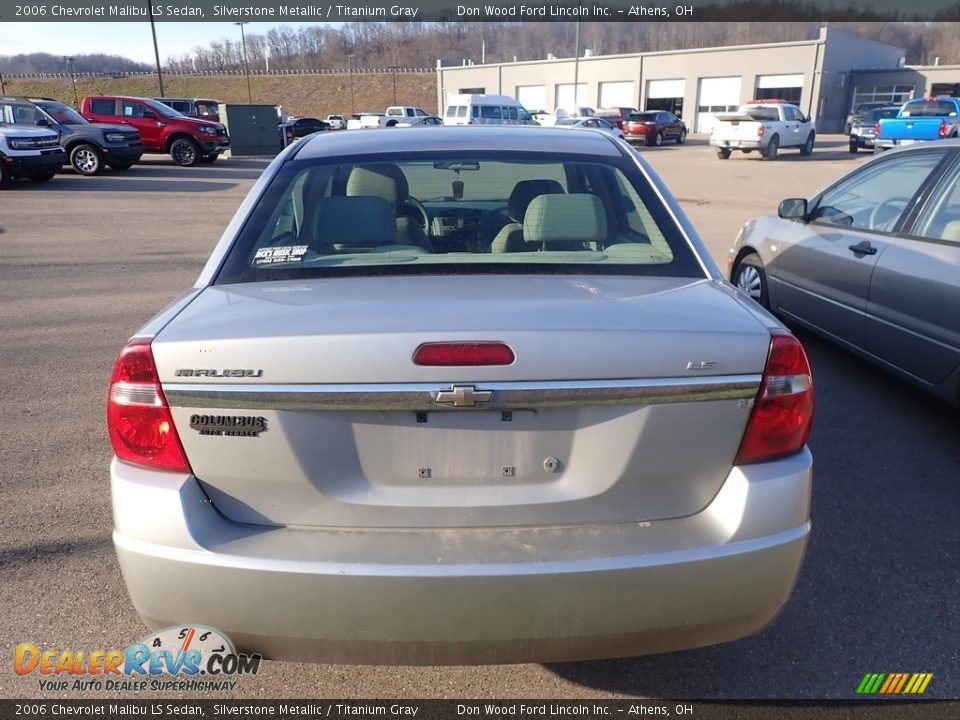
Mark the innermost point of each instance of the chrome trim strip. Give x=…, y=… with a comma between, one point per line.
x=422, y=397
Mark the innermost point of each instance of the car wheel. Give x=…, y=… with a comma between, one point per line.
x=6, y=179
x=682, y=137
x=185, y=152
x=46, y=177
x=86, y=159
x=209, y=159
x=807, y=148
x=854, y=148
x=658, y=140
x=723, y=153
x=772, y=148
x=751, y=278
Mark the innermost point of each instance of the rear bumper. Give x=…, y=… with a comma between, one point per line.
x=536, y=594
x=864, y=141
x=887, y=144
x=738, y=144
x=645, y=138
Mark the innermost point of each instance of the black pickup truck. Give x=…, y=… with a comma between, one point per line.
x=90, y=146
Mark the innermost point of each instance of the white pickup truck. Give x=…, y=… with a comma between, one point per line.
x=394, y=116
x=765, y=126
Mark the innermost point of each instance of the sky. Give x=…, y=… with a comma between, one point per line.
x=129, y=39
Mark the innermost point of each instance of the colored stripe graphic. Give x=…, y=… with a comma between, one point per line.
x=894, y=683
x=870, y=683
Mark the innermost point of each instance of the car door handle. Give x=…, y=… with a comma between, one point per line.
x=863, y=248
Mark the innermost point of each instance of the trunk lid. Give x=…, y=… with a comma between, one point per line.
x=298, y=403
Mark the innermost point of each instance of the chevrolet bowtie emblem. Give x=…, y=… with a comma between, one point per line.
x=463, y=396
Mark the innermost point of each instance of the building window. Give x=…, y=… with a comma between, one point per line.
x=889, y=94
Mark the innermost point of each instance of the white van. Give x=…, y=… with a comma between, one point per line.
x=485, y=110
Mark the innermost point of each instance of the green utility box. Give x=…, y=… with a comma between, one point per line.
x=253, y=129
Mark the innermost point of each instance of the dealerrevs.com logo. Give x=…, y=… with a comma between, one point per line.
x=185, y=658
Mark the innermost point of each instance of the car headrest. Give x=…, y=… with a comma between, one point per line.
x=383, y=180
x=525, y=191
x=565, y=218
x=951, y=231
x=362, y=220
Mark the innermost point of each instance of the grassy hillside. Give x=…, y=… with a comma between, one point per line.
x=317, y=95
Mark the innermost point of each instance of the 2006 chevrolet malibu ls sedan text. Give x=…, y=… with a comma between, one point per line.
x=465, y=395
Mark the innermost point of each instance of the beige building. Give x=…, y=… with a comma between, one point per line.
x=825, y=77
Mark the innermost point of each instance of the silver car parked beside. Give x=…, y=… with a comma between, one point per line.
x=871, y=263
x=463, y=395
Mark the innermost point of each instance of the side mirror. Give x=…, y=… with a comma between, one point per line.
x=149, y=115
x=793, y=209
x=43, y=122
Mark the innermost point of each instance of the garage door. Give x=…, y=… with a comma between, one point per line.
x=716, y=95
x=659, y=89
x=618, y=94
x=779, y=87
x=532, y=97
x=566, y=98
x=665, y=95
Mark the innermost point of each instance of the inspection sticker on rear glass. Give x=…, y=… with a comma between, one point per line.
x=279, y=254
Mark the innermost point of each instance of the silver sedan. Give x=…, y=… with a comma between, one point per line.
x=589, y=123
x=871, y=263
x=469, y=396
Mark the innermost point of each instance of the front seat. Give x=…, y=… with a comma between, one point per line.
x=511, y=238
x=387, y=181
x=566, y=222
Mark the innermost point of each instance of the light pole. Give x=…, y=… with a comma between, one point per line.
x=73, y=80
x=2, y=90
x=156, y=50
x=393, y=69
x=353, y=107
x=576, y=67
x=246, y=65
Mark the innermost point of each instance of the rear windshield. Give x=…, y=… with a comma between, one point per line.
x=929, y=108
x=762, y=113
x=438, y=214
x=644, y=116
x=882, y=114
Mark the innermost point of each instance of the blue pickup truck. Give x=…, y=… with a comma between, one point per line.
x=918, y=120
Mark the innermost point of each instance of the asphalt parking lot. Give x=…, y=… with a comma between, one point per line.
x=85, y=261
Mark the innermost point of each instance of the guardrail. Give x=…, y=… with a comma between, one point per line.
x=219, y=73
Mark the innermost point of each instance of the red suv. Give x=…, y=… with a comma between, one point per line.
x=188, y=140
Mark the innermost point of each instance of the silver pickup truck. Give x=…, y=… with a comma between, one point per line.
x=765, y=126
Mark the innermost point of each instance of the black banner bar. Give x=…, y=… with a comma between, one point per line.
x=301, y=11
x=471, y=709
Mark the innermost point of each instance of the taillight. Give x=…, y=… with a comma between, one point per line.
x=783, y=412
x=450, y=354
x=760, y=131
x=138, y=419
x=944, y=128
x=876, y=130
